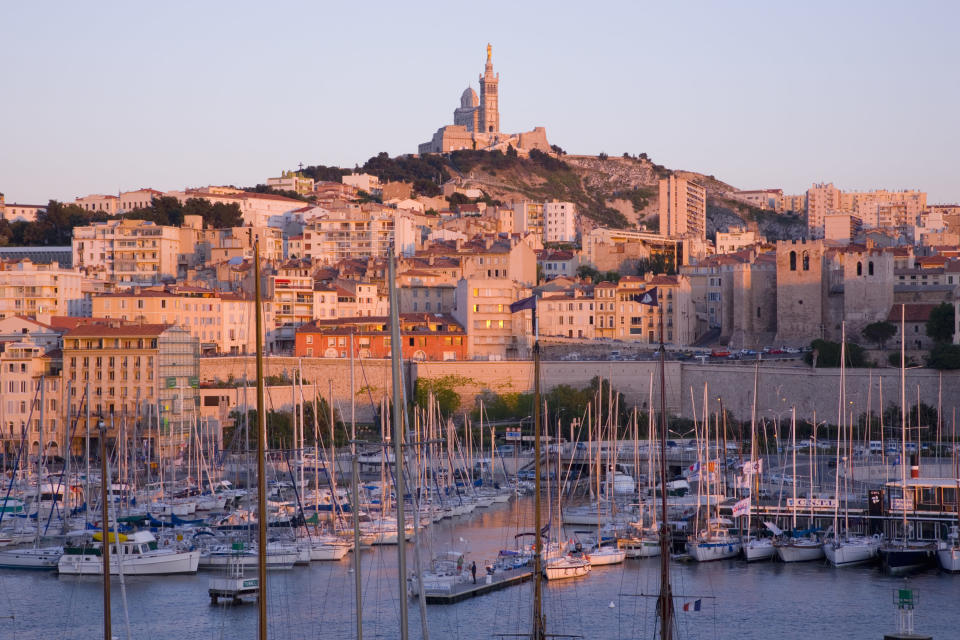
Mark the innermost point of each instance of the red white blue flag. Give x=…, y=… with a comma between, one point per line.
x=692, y=606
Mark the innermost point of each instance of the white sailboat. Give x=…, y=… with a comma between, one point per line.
x=715, y=541
x=793, y=547
x=755, y=548
x=141, y=556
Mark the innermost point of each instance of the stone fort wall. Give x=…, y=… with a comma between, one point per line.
x=779, y=387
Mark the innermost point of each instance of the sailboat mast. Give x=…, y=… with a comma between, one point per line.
x=665, y=599
x=903, y=420
x=104, y=479
x=398, y=442
x=261, y=454
x=539, y=630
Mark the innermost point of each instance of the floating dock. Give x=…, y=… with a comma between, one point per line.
x=497, y=581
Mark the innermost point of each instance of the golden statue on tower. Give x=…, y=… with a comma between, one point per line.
x=489, y=53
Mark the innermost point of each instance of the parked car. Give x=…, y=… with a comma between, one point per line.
x=719, y=353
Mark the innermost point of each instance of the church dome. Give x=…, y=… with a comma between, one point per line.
x=469, y=98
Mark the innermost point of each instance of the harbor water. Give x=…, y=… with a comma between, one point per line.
x=757, y=601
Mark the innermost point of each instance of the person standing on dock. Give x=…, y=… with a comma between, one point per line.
x=473, y=570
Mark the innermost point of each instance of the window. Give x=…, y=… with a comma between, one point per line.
x=309, y=339
x=793, y=261
x=859, y=268
x=870, y=268
x=806, y=261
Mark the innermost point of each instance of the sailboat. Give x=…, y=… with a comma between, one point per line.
x=902, y=555
x=948, y=551
x=797, y=545
x=755, y=548
x=844, y=549
x=716, y=541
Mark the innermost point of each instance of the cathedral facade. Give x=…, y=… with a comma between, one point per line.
x=476, y=122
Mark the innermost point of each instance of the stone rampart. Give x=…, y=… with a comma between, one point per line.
x=779, y=388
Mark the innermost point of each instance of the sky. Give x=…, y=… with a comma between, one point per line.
x=97, y=97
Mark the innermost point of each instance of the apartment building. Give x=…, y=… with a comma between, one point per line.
x=736, y=238
x=358, y=232
x=483, y=309
x=683, y=207
x=567, y=314
x=99, y=203
x=635, y=321
x=292, y=181
x=127, y=251
x=423, y=336
x=34, y=289
x=528, y=217
x=822, y=198
x=560, y=221
x=221, y=322
x=134, y=370
x=23, y=366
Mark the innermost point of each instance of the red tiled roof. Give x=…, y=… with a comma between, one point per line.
x=100, y=330
x=912, y=312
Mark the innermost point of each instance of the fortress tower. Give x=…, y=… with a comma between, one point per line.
x=489, y=121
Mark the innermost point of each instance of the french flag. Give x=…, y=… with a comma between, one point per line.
x=692, y=606
x=694, y=467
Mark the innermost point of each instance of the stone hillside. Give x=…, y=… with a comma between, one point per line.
x=616, y=191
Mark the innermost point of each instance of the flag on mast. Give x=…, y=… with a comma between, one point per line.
x=692, y=606
x=648, y=297
x=526, y=303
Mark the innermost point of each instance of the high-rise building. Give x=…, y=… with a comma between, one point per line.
x=560, y=220
x=683, y=207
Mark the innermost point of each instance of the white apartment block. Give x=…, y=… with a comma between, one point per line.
x=127, y=251
x=560, y=221
x=683, y=207
x=358, y=233
x=28, y=289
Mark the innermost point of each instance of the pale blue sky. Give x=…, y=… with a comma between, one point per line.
x=99, y=96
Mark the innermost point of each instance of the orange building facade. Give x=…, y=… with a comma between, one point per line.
x=424, y=336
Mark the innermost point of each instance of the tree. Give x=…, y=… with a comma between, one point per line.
x=828, y=354
x=941, y=323
x=879, y=332
x=944, y=356
x=443, y=393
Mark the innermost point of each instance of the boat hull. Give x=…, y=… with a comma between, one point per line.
x=710, y=551
x=607, y=556
x=849, y=553
x=145, y=565
x=898, y=561
x=949, y=559
x=36, y=559
x=564, y=569
x=799, y=552
x=758, y=550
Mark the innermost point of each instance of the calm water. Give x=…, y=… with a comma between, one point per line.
x=759, y=601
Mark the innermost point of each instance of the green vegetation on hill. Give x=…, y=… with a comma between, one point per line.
x=262, y=188
x=167, y=210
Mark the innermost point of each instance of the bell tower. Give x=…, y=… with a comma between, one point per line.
x=489, y=120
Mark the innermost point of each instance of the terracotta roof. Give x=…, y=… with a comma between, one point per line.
x=912, y=312
x=99, y=330
x=71, y=322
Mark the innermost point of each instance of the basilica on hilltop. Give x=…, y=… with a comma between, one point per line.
x=476, y=122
